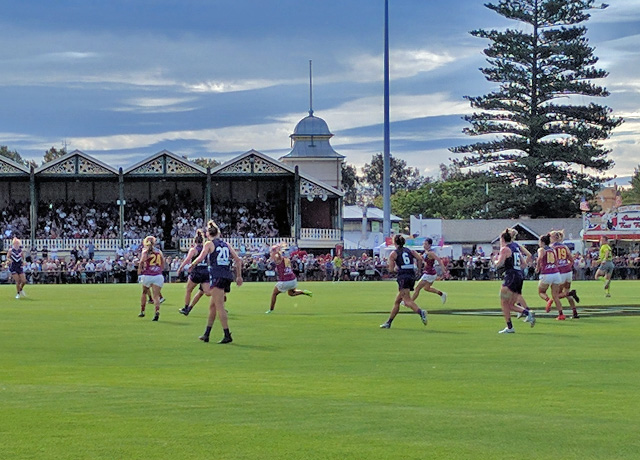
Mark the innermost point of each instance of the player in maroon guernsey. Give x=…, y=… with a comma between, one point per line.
x=150, y=274
x=287, y=281
x=547, y=267
x=429, y=274
x=565, y=267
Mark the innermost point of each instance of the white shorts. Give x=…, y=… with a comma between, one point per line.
x=429, y=278
x=550, y=278
x=566, y=277
x=148, y=280
x=284, y=286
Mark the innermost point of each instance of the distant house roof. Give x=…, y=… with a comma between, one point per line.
x=487, y=230
x=355, y=213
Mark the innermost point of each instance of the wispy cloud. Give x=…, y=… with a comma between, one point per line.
x=155, y=105
x=405, y=63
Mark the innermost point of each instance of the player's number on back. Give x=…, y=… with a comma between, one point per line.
x=405, y=259
x=223, y=255
x=154, y=260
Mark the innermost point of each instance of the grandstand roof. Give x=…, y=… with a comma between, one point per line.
x=256, y=163
x=311, y=140
x=9, y=167
x=163, y=163
x=484, y=230
x=76, y=163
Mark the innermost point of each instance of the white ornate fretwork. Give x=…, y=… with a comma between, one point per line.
x=177, y=167
x=6, y=168
x=89, y=167
x=153, y=167
x=240, y=167
x=309, y=189
x=65, y=167
x=261, y=166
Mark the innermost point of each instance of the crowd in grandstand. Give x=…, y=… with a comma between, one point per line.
x=171, y=218
x=14, y=219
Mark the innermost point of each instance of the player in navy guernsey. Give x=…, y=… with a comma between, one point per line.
x=220, y=256
x=198, y=276
x=15, y=267
x=510, y=260
x=402, y=260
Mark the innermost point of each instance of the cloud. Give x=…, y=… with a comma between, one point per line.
x=368, y=111
x=155, y=105
x=232, y=86
x=617, y=11
x=403, y=63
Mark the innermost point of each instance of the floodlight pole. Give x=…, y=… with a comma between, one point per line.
x=386, y=169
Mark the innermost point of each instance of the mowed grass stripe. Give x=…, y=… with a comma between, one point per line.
x=83, y=377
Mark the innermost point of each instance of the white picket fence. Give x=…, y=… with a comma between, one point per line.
x=330, y=236
x=68, y=244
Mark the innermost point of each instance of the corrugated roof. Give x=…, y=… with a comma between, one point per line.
x=355, y=213
x=486, y=230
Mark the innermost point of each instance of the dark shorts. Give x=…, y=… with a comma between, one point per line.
x=513, y=281
x=199, y=276
x=16, y=270
x=220, y=283
x=406, y=282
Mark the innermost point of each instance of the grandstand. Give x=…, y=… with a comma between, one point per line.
x=77, y=199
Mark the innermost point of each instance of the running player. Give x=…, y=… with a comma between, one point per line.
x=220, y=255
x=402, y=260
x=606, y=264
x=150, y=275
x=287, y=281
x=429, y=274
x=199, y=275
x=15, y=267
x=525, y=259
x=547, y=267
x=510, y=260
x=565, y=267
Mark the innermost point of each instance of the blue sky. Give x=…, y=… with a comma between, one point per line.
x=122, y=80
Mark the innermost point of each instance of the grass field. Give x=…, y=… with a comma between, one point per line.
x=81, y=377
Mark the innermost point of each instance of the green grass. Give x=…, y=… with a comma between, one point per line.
x=81, y=377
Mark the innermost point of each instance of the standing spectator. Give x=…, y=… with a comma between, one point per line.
x=91, y=250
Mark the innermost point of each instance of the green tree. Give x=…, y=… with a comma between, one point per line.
x=53, y=154
x=546, y=148
x=632, y=195
x=206, y=162
x=350, y=183
x=460, y=196
x=402, y=177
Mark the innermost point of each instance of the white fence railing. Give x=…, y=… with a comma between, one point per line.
x=320, y=233
x=245, y=244
x=68, y=244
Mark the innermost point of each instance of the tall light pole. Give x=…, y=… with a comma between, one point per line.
x=386, y=168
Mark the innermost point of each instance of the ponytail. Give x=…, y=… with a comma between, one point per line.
x=212, y=229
